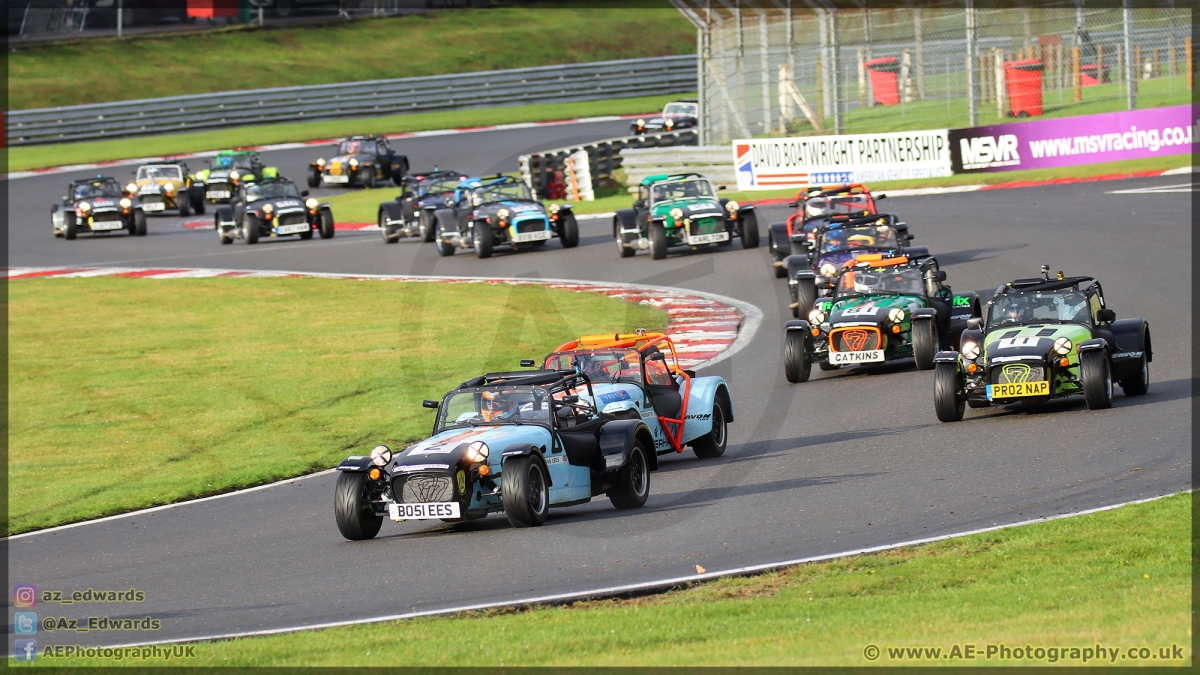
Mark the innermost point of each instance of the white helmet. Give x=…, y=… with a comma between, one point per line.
x=817, y=206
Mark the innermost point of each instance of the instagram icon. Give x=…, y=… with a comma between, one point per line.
x=25, y=596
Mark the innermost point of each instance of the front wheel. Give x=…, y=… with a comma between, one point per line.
x=250, y=229
x=1136, y=385
x=326, y=225
x=139, y=223
x=569, y=230
x=524, y=494
x=356, y=520
x=797, y=362
x=635, y=489
x=197, y=200
x=314, y=177
x=483, y=238
x=946, y=401
x=386, y=230
x=658, y=241
x=1097, y=379
x=70, y=225
x=713, y=443
x=444, y=248
x=366, y=177
x=426, y=226
x=749, y=230
x=181, y=200
x=925, y=343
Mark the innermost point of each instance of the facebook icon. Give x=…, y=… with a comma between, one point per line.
x=25, y=623
x=26, y=650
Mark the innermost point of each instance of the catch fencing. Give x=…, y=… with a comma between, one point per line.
x=522, y=86
x=787, y=69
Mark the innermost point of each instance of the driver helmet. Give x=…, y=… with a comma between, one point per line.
x=494, y=404
x=477, y=196
x=1016, y=308
x=817, y=206
x=860, y=240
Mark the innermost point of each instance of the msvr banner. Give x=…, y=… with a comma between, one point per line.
x=766, y=163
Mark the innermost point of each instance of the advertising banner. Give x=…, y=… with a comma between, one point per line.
x=1088, y=139
x=767, y=163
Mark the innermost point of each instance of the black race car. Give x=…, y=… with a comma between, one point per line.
x=97, y=205
x=498, y=211
x=683, y=113
x=227, y=170
x=411, y=213
x=360, y=160
x=272, y=208
x=815, y=207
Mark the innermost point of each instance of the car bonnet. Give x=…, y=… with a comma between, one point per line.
x=872, y=309
x=449, y=446
x=1034, y=340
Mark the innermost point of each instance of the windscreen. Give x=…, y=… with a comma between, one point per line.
x=271, y=191
x=875, y=236
x=680, y=110
x=1037, y=307
x=356, y=147
x=681, y=189
x=97, y=189
x=160, y=173
x=232, y=162
x=494, y=405
x=600, y=365
x=438, y=186
x=905, y=280
x=507, y=190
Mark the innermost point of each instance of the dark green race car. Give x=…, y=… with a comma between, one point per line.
x=1042, y=339
x=681, y=210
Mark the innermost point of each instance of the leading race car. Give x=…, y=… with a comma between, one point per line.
x=683, y=113
x=882, y=309
x=360, y=160
x=501, y=211
x=97, y=205
x=1042, y=339
x=272, y=208
x=518, y=442
x=815, y=206
x=681, y=210
x=227, y=170
x=410, y=214
x=166, y=185
x=637, y=375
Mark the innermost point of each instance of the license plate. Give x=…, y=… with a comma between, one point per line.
x=426, y=511
x=107, y=225
x=708, y=238
x=293, y=229
x=531, y=236
x=218, y=194
x=843, y=358
x=335, y=179
x=1018, y=389
x=153, y=206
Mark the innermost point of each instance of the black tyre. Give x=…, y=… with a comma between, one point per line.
x=797, y=248
x=314, y=177
x=426, y=226
x=356, y=520
x=619, y=237
x=444, y=226
x=250, y=229
x=569, y=229
x=197, y=199
x=525, y=495
x=658, y=241
x=307, y=234
x=181, y=200
x=366, y=176
x=225, y=238
x=139, y=223
x=1136, y=385
x=948, y=405
x=925, y=343
x=70, y=225
x=797, y=361
x=1096, y=374
x=389, y=237
x=713, y=443
x=635, y=489
x=749, y=230
x=325, y=226
x=483, y=238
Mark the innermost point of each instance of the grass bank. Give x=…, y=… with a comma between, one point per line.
x=160, y=390
x=1119, y=578
x=433, y=43
x=25, y=158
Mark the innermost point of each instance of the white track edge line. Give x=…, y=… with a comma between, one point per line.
x=752, y=318
x=648, y=585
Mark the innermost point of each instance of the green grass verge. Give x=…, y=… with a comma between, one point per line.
x=1121, y=578
x=25, y=158
x=161, y=390
x=248, y=57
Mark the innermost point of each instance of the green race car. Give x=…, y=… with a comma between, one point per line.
x=882, y=309
x=227, y=170
x=1042, y=339
x=681, y=210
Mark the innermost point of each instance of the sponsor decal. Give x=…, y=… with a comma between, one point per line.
x=420, y=467
x=1016, y=372
x=699, y=416
x=855, y=339
x=861, y=310
x=1127, y=355
x=1013, y=343
x=961, y=301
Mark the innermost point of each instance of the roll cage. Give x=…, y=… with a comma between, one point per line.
x=878, y=263
x=1088, y=286
x=563, y=387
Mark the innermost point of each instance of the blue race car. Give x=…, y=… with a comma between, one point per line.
x=518, y=442
x=501, y=211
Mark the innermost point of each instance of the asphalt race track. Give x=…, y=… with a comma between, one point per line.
x=849, y=460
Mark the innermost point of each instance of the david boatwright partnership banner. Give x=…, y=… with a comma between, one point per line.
x=765, y=163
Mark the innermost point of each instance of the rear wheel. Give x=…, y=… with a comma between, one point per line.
x=1136, y=385
x=619, y=236
x=356, y=520
x=749, y=230
x=197, y=200
x=635, y=489
x=797, y=361
x=1097, y=379
x=569, y=232
x=389, y=237
x=444, y=248
x=713, y=443
x=250, y=229
x=658, y=241
x=366, y=177
x=524, y=494
x=314, y=177
x=796, y=248
x=70, y=225
x=948, y=405
x=925, y=344
x=483, y=238
x=326, y=224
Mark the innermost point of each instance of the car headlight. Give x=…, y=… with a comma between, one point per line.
x=970, y=350
x=125, y=203
x=502, y=214
x=896, y=315
x=267, y=208
x=84, y=206
x=353, y=162
x=677, y=214
x=641, y=123
x=132, y=187
x=668, y=124
x=477, y=451
x=731, y=206
x=233, y=175
x=554, y=208
x=1063, y=346
x=311, y=203
x=380, y=455
x=828, y=270
x=169, y=188
x=320, y=161
x=816, y=317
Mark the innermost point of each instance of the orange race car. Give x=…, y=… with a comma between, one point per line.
x=814, y=207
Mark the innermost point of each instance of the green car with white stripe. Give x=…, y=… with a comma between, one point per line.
x=1042, y=339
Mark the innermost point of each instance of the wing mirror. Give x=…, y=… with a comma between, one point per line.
x=878, y=197
x=304, y=193
x=720, y=187
x=1106, y=315
x=570, y=398
x=939, y=276
x=974, y=323
x=526, y=363
x=66, y=198
x=793, y=205
x=429, y=403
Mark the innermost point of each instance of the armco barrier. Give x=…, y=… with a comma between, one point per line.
x=573, y=82
x=540, y=170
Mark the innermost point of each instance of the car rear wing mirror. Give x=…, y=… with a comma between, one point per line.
x=570, y=398
x=304, y=193
x=939, y=275
x=793, y=205
x=526, y=363
x=430, y=403
x=878, y=197
x=720, y=187
x=1106, y=315
x=974, y=323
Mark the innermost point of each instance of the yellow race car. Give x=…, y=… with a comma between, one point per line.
x=166, y=186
